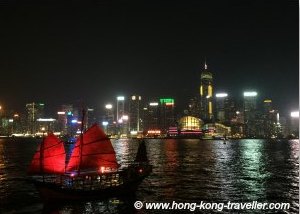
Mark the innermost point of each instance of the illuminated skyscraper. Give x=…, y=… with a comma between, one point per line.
x=294, y=124
x=167, y=114
x=135, y=113
x=206, y=94
x=90, y=117
x=34, y=111
x=151, y=117
x=109, y=122
x=194, y=107
x=249, y=104
x=221, y=99
x=250, y=110
x=120, y=107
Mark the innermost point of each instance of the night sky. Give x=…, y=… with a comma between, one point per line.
x=91, y=52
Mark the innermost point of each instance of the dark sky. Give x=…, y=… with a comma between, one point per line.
x=62, y=53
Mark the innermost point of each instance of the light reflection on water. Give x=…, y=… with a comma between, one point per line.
x=184, y=170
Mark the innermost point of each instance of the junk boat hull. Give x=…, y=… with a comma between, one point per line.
x=129, y=181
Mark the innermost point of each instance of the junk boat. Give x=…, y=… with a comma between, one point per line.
x=91, y=172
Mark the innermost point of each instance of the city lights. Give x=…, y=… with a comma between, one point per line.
x=166, y=100
x=250, y=94
x=133, y=132
x=120, y=98
x=108, y=106
x=219, y=95
x=295, y=114
x=61, y=113
x=153, y=104
x=45, y=119
x=125, y=117
x=74, y=121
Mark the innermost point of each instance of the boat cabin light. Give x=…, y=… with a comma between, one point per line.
x=102, y=169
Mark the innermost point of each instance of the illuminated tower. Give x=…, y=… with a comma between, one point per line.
x=206, y=95
x=34, y=111
x=135, y=113
x=167, y=114
x=151, y=117
x=250, y=108
x=221, y=101
x=120, y=107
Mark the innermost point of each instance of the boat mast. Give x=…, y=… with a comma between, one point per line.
x=81, y=140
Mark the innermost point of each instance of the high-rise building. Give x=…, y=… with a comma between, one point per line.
x=120, y=107
x=135, y=106
x=151, y=117
x=34, y=111
x=250, y=109
x=294, y=125
x=90, y=117
x=62, y=118
x=167, y=114
x=269, y=116
x=206, y=94
x=221, y=101
x=109, y=122
x=194, y=107
x=231, y=107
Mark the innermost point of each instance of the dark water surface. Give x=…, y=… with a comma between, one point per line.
x=183, y=171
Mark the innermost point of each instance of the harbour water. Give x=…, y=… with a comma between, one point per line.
x=184, y=170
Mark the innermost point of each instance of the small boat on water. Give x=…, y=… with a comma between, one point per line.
x=91, y=172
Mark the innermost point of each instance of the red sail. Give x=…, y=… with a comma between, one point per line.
x=51, y=159
x=96, y=152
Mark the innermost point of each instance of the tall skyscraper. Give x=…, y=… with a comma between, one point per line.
x=206, y=94
x=120, y=107
x=109, y=120
x=269, y=118
x=250, y=109
x=167, y=114
x=34, y=111
x=151, y=117
x=221, y=99
x=62, y=118
x=135, y=113
x=90, y=117
x=194, y=107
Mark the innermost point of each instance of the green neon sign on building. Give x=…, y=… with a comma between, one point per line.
x=166, y=100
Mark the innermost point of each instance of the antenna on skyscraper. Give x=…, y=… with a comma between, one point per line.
x=205, y=65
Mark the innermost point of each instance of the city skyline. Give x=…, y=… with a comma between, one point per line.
x=60, y=54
